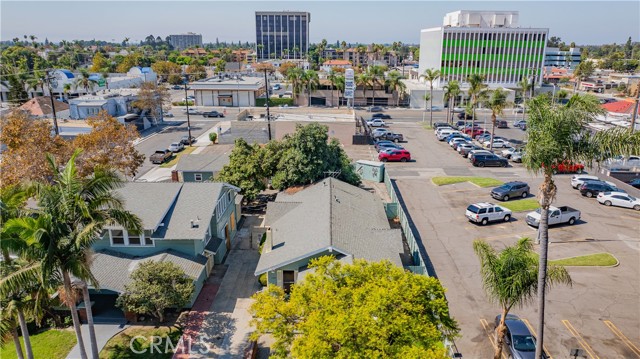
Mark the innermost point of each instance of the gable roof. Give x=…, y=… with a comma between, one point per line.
x=149, y=201
x=329, y=216
x=202, y=162
x=112, y=270
x=41, y=106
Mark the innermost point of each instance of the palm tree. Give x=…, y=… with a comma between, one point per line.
x=365, y=80
x=431, y=75
x=451, y=92
x=311, y=82
x=295, y=77
x=477, y=91
x=376, y=72
x=260, y=48
x=340, y=86
x=496, y=102
x=556, y=135
x=73, y=212
x=510, y=278
x=36, y=82
x=85, y=82
x=395, y=83
x=332, y=77
x=524, y=85
x=105, y=75
x=66, y=89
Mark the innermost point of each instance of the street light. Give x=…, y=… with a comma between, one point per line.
x=186, y=101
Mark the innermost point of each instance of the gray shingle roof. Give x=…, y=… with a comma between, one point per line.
x=210, y=162
x=149, y=201
x=113, y=269
x=329, y=215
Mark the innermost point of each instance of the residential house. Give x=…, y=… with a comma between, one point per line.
x=41, y=107
x=331, y=64
x=332, y=218
x=189, y=224
x=115, y=102
x=553, y=75
x=204, y=166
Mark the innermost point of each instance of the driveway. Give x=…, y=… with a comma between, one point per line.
x=599, y=314
x=104, y=332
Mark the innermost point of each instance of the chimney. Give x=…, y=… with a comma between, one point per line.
x=268, y=242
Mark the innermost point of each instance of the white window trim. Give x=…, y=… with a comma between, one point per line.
x=196, y=175
x=126, y=240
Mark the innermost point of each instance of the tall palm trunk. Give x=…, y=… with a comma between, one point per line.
x=16, y=342
x=74, y=315
x=431, y=111
x=548, y=190
x=89, y=310
x=493, y=130
x=25, y=334
x=373, y=90
x=500, y=329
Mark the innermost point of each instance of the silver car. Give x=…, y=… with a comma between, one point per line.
x=519, y=343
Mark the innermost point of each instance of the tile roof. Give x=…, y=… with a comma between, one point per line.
x=112, y=269
x=337, y=62
x=330, y=215
x=41, y=106
x=619, y=107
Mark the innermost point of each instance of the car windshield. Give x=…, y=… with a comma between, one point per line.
x=524, y=343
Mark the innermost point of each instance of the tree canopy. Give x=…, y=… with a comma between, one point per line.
x=155, y=287
x=359, y=310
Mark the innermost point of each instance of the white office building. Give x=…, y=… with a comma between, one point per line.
x=185, y=41
x=554, y=57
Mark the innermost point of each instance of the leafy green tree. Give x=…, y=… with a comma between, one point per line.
x=99, y=62
x=583, y=71
x=431, y=75
x=156, y=287
x=496, y=102
x=556, y=135
x=220, y=65
x=17, y=94
x=196, y=72
x=510, y=278
x=129, y=61
x=359, y=310
x=165, y=69
x=245, y=169
x=72, y=213
x=151, y=98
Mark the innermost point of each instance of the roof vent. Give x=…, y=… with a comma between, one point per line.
x=194, y=224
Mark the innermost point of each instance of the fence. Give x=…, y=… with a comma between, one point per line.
x=418, y=252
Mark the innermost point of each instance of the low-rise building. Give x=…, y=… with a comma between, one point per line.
x=116, y=102
x=231, y=91
x=203, y=166
x=332, y=64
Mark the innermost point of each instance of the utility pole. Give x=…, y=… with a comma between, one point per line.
x=53, y=104
x=186, y=101
x=266, y=84
x=635, y=109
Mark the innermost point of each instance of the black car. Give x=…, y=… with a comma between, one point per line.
x=383, y=116
x=635, y=182
x=510, y=190
x=482, y=160
x=185, y=140
x=461, y=115
x=176, y=87
x=592, y=188
x=502, y=124
x=212, y=114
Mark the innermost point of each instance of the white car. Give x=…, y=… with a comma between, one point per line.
x=435, y=109
x=619, y=199
x=167, y=114
x=445, y=133
x=486, y=212
x=578, y=180
x=474, y=152
x=176, y=147
x=497, y=143
x=442, y=128
x=508, y=152
x=456, y=140
x=378, y=132
x=458, y=109
x=376, y=122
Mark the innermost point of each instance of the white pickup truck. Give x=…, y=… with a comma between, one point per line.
x=557, y=215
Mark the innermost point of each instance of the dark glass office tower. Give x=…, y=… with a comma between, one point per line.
x=282, y=34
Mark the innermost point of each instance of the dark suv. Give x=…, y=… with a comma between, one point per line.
x=510, y=190
x=592, y=188
x=482, y=160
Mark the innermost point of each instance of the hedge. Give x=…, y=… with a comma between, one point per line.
x=274, y=102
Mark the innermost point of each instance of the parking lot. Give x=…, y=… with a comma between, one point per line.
x=599, y=314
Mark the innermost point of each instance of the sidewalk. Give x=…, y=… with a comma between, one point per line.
x=225, y=322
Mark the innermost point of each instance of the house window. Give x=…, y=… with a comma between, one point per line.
x=134, y=239
x=197, y=177
x=121, y=237
x=288, y=279
x=117, y=236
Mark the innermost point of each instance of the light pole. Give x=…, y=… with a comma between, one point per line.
x=186, y=101
x=266, y=84
x=553, y=95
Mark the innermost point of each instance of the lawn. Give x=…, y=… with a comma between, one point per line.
x=50, y=344
x=590, y=260
x=478, y=181
x=427, y=126
x=521, y=205
x=175, y=158
x=118, y=346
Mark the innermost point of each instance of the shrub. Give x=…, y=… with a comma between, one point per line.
x=260, y=102
x=182, y=103
x=263, y=279
x=262, y=239
x=212, y=137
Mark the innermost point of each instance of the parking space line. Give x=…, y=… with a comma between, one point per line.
x=544, y=347
x=622, y=337
x=509, y=235
x=486, y=327
x=580, y=339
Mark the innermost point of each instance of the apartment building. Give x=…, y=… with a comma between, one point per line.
x=282, y=34
x=184, y=41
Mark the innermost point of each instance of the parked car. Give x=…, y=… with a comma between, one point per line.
x=212, y=114
x=456, y=135
x=457, y=142
x=380, y=143
x=518, y=342
x=482, y=160
x=519, y=123
x=435, y=109
x=480, y=151
x=185, y=140
x=392, y=136
x=462, y=115
x=592, y=188
x=557, y=215
x=176, y=147
x=568, y=167
x=188, y=98
x=442, y=135
x=394, y=155
x=465, y=148
x=635, y=182
x=176, y=87
x=193, y=111
x=379, y=132
x=619, y=199
x=517, y=156
x=506, y=153
x=437, y=125
x=486, y=212
x=511, y=190
x=497, y=143
x=376, y=122
x=375, y=109
x=389, y=145
x=383, y=116
x=578, y=180
x=167, y=114
x=458, y=109
x=502, y=124
x=276, y=87
x=473, y=130
x=160, y=156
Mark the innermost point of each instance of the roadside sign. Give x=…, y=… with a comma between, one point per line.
x=348, y=93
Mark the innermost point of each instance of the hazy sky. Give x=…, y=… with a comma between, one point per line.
x=584, y=22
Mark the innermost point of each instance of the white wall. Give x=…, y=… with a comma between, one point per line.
x=430, y=51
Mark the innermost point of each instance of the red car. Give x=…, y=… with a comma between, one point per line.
x=394, y=155
x=568, y=167
x=477, y=131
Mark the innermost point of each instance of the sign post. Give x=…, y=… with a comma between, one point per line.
x=349, y=86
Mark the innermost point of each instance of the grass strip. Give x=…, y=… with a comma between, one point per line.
x=478, y=181
x=176, y=157
x=521, y=205
x=589, y=260
x=50, y=344
x=119, y=347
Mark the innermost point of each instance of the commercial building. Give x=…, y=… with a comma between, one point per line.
x=183, y=41
x=483, y=42
x=555, y=57
x=231, y=91
x=282, y=34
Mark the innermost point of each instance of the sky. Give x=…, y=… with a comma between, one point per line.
x=582, y=22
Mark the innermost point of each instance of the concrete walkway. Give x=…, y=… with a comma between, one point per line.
x=225, y=325
x=104, y=332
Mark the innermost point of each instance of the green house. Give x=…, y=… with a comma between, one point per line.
x=330, y=217
x=200, y=167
